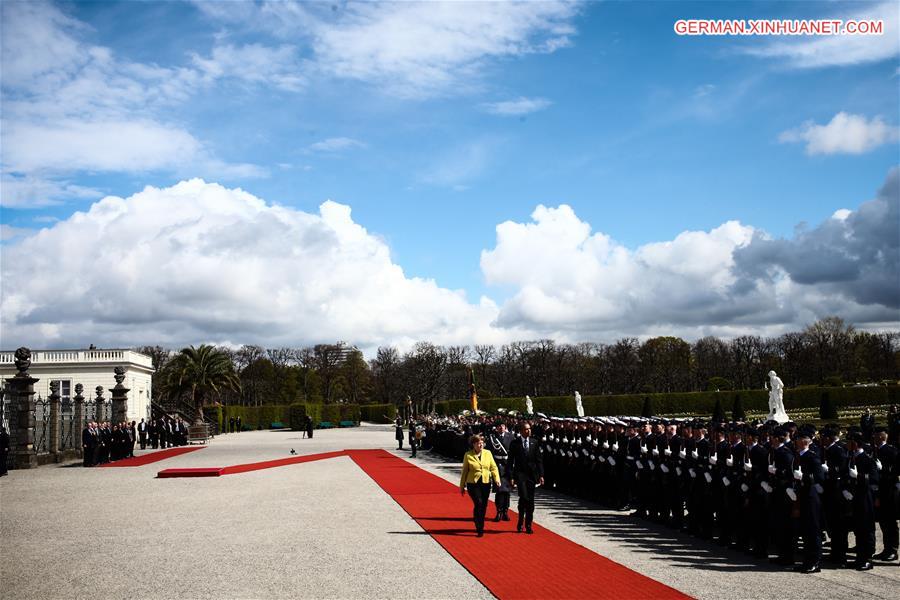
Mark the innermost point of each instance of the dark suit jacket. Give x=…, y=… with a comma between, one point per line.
x=526, y=466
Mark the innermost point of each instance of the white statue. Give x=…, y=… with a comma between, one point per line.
x=578, y=407
x=529, y=407
x=776, y=399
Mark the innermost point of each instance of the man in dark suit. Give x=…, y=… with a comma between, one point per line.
x=153, y=433
x=88, y=445
x=4, y=450
x=835, y=505
x=142, y=434
x=526, y=462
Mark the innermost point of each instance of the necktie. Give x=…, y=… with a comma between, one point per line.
x=526, y=444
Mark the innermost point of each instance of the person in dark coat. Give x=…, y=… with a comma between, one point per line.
x=153, y=434
x=526, y=462
x=809, y=480
x=499, y=444
x=413, y=442
x=867, y=424
x=836, y=506
x=237, y=424
x=309, y=427
x=398, y=433
x=231, y=424
x=862, y=475
x=887, y=497
x=4, y=450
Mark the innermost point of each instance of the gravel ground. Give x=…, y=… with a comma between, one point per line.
x=315, y=530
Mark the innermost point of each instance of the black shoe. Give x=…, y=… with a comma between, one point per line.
x=529, y=530
x=811, y=569
x=505, y=516
x=479, y=534
x=888, y=556
x=864, y=566
x=497, y=518
x=519, y=525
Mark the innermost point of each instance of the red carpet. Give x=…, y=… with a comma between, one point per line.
x=152, y=457
x=509, y=564
x=193, y=472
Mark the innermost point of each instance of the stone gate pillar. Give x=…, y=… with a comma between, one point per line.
x=54, y=419
x=20, y=389
x=119, y=397
x=79, y=419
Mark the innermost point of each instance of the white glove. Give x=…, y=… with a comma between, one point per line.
x=693, y=473
x=726, y=481
x=595, y=443
x=745, y=488
x=847, y=495
x=667, y=452
x=640, y=465
x=615, y=446
x=878, y=463
x=765, y=486
x=819, y=488
x=678, y=471
x=729, y=462
x=791, y=494
x=798, y=474
x=652, y=467
x=853, y=473
x=694, y=454
x=772, y=469
x=682, y=453
x=713, y=459
x=611, y=461
x=748, y=466
x=605, y=445
x=601, y=459
x=643, y=449
x=708, y=477
x=664, y=469
x=655, y=452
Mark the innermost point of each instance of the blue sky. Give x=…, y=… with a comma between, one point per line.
x=437, y=123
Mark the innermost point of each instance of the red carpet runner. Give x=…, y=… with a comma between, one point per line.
x=509, y=564
x=152, y=457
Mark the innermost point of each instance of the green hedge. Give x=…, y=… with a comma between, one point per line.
x=255, y=417
x=299, y=412
x=335, y=413
x=376, y=413
x=688, y=402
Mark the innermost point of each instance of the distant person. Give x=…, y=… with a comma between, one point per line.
x=478, y=472
x=237, y=423
x=867, y=424
x=413, y=441
x=4, y=450
x=231, y=424
x=309, y=427
x=398, y=433
x=142, y=434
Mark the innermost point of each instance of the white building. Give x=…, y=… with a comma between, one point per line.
x=90, y=368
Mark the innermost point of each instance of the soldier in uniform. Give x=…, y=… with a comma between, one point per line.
x=808, y=476
x=781, y=467
x=886, y=499
x=862, y=474
x=835, y=505
x=499, y=443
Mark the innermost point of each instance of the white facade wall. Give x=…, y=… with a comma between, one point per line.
x=90, y=368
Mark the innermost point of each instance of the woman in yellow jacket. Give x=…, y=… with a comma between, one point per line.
x=478, y=471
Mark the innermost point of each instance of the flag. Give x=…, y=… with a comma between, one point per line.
x=472, y=393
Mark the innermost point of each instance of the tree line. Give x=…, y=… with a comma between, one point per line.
x=827, y=352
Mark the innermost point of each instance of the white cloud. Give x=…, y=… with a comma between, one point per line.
x=410, y=49
x=336, y=144
x=8, y=232
x=197, y=261
x=519, y=106
x=72, y=106
x=845, y=134
x=458, y=165
x=33, y=192
x=840, y=50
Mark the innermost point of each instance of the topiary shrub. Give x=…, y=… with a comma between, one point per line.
x=647, y=409
x=718, y=412
x=827, y=409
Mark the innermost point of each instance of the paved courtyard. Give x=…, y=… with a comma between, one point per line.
x=321, y=529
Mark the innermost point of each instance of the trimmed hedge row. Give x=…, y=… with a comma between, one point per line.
x=253, y=417
x=334, y=413
x=376, y=413
x=686, y=402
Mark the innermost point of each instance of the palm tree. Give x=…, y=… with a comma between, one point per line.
x=201, y=371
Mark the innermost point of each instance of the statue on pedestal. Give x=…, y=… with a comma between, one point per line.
x=529, y=405
x=776, y=399
x=579, y=408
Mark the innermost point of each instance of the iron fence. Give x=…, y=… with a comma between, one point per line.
x=41, y=426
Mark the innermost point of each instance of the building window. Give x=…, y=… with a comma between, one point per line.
x=65, y=394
